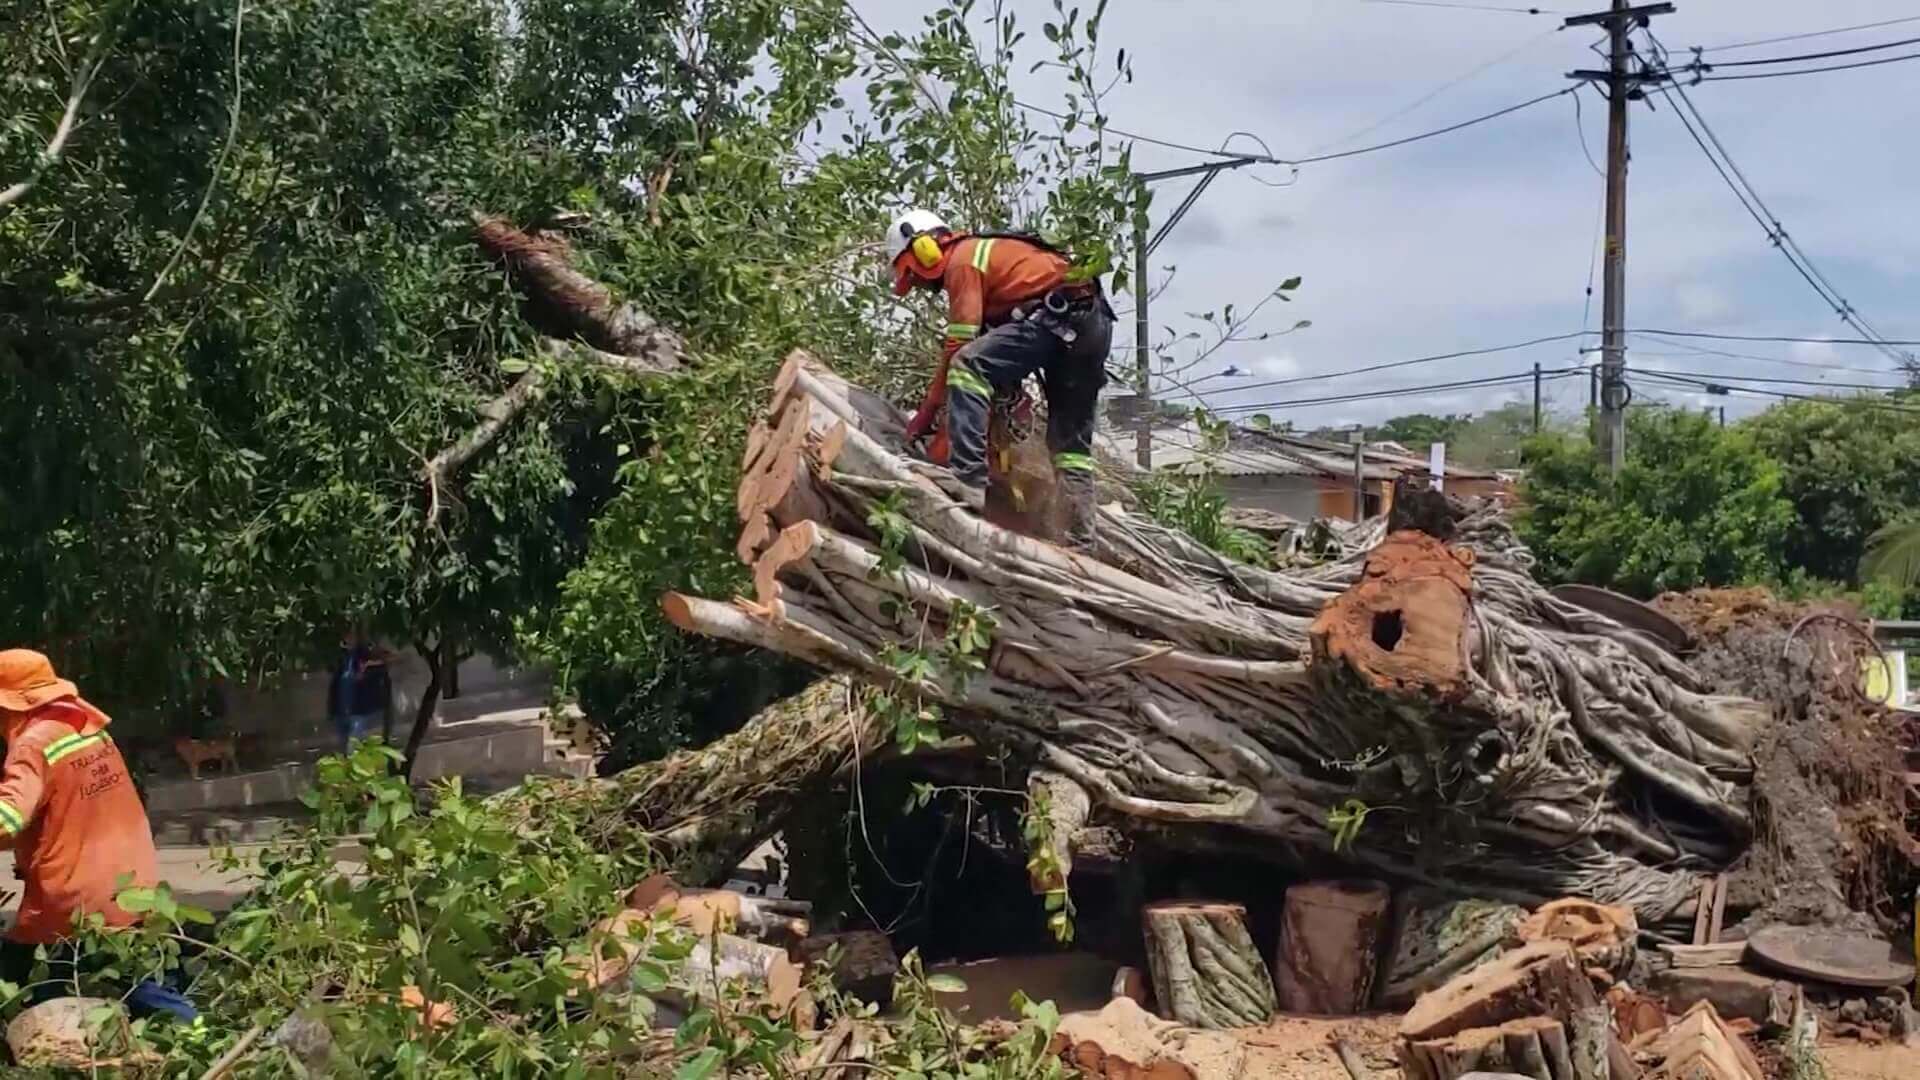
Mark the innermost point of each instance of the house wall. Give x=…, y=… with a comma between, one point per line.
x=1297, y=497
x=1336, y=499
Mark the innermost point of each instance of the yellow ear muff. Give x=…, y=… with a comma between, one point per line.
x=926, y=250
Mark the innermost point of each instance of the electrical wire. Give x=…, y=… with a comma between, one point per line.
x=1406, y=391
x=1429, y=134
x=1468, y=7
x=1449, y=129
x=1580, y=126
x=1809, y=364
x=1811, y=34
x=1409, y=363
x=1769, y=379
x=1764, y=216
x=1135, y=136
x=1863, y=399
x=1810, y=56
x=1811, y=71
x=1764, y=337
x=1503, y=57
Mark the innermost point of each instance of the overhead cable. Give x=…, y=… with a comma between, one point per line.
x=1504, y=9
x=1808, y=56
x=1810, y=71
x=1810, y=34
x=1406, y=391
x=1348, y=372
x=1766, y=337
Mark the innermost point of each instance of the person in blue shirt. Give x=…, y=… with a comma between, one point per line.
x=358, y=691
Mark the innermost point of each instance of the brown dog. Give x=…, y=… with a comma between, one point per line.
x=197, y=752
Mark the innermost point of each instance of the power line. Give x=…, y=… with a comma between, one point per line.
x=1503, y=57
x=1763, y=337
x=1467, y=7
x=1409, y=363
x=1135, y=136
x=1406, y=391
x=1862, y=399
x=1429, y=134
x=1695, y=350
x=1811, y=34
x=1449, y=129
x=1711, y=376
x=1763, y=215
x=1808, y=56
x=1811, y=71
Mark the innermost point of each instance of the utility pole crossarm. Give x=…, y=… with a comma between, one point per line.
x=1620, y=11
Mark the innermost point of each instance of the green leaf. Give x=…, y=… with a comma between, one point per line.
x=946, y=984
x=1290, y=284
x=513, y=365
x=409, y=939
x=701, y=1065
x=138, y=900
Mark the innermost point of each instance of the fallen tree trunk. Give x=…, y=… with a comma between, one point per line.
x=703, y=810
x=1500, y=738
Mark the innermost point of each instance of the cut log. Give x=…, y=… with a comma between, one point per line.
x=1590, y=1042
x=1124, y=1042
x=1725, y=954
x=1435, y=682
x=1635, y=1014
x=1603, y=934
x=703, y=810
x=1534, y=1047
x=1541, y=979
x=1700, y=1046
x=1439, y=937
x=1330, y=934
x=1206, y=971
x=703, y=911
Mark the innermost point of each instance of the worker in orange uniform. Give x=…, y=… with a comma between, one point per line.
x=1011, y=312
x=69, y=810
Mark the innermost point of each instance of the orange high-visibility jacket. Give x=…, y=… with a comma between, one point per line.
x=69, y=810
x=985, y=278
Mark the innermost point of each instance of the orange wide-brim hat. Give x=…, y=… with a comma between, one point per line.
x=27, y=681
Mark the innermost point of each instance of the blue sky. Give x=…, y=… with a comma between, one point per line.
x=1486, y=236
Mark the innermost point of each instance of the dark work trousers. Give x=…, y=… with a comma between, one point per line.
x=160, y=994
x=1071, y=373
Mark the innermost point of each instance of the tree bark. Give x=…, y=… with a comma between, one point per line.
x=1543, y=979
x=1206, y=971
x=1503, y=741
x=429, y=701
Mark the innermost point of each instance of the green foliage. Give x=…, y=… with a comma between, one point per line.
x=1846, y=467
x=1493, y=439
x=1696, y=505
x=1192, y=503
x=484, y=913
x=1893, y=555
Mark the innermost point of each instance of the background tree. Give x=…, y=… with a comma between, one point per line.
x=1696, y=504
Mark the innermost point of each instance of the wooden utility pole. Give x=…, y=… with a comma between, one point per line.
x=1623, y=84
x=1142, y=349
x=1536, y=397
x=1143, y=247
x=1359, y=474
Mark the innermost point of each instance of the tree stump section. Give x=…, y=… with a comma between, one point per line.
x=1534, y=1047
x=1206, y=971
x=1700, y=1046
x=1603, y=934
x=1438, y=938
x=1541, y=979
x=1329, y=946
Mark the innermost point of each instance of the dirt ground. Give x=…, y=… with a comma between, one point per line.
x=1857, y=1061
x=1301, y=1047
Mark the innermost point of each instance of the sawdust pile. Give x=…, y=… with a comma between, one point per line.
x=1833, y=844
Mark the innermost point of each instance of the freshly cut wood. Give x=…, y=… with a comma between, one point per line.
x=1724, y=954
x=1590, y=1041
x=1603, y=934
x=1440, y=936
x=1330, y=934
x=1125, y=1042
x=1700, y=1046
x=1541, y=979
x=1239, y=706
x=1206, y=971
x=1635, y=1014
x=1534, y=1047
x=703, y=911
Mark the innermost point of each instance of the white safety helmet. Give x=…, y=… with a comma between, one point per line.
x=909, y=225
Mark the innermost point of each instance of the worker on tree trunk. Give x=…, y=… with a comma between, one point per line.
x=1012, y=311
x=69, y=810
